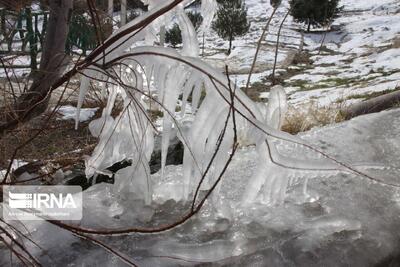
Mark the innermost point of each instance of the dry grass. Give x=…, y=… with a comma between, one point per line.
x=255, y=89
x=303, y=119
x=302, y=58
x=396, y=105
x=58, y=139
x=396, y=43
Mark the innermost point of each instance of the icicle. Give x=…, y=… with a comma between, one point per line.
x=208, y=10
x=151, y=35
x=130, y=136
x=83, y=88
x=305, y=187
x=253, y=188
x=277, y=107
x=96, y=126
x=169, y=101
x=188, y=88
x=189, y=35
x=196, y=95
x=275, y=191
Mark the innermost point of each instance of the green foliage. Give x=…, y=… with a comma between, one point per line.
x=314, y=12
x=231, y=20
x=82, y=34
x=174, y=36
x=275, y=3
x=132, y=15
x=196, y=19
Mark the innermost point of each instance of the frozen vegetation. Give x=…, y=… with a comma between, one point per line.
x=328, y=197
x=342, y=220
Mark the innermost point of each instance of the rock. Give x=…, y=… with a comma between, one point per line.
x=174, y=156
x=78, y=177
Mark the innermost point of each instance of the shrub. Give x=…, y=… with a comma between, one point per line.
x=174, y=35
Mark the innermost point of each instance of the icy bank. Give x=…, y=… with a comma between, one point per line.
x=345, y=220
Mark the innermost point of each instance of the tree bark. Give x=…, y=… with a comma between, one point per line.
x=52, y=65
x=33, y=49
x=3, y=22
x=123, y=12
x=373, y=105
x=110, y=10
x=162, y=35
x=11, y=123
x=277, y=47
x=230, y=45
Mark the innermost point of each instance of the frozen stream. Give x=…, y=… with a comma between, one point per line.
x=344, y=220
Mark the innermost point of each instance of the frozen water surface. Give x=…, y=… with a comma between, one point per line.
x=343, y=220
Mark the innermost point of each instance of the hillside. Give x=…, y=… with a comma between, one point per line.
x=360, y=55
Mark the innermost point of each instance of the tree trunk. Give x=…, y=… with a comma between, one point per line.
x=52, y=65
x=373, y=105
x=3, y=22
x=123, y=12
x=230, y=45
x=12, y=121
x=277, y=48
x=162, y=35
x=110, y=10
x=31, y=36
x=44, y=29
x=309, y=26
x=19, y=25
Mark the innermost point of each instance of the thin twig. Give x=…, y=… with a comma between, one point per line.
x=258, y=48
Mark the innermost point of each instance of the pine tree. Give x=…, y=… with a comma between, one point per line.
x=315, y=12
x=174, y=35
x=231, y=20
x=196, y=19
x=275, y=3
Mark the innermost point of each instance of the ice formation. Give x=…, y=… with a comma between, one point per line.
x=331, y=232
x=208, y=10
x=189, y=35
x=139, y=73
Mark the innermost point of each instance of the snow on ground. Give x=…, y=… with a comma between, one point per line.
x=69, y=113
x=362, y=56
x=239, y=61
x=15, y=165
x=15, y=61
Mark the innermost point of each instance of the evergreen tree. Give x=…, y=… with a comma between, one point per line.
x=81, y=34
x=275, y=3
x=174, y=35
x=231, y=20
x=196, y=19
x=314, y=12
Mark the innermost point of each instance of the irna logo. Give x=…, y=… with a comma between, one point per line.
x=41, y=200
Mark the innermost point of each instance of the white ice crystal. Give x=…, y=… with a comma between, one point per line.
x=171, y=75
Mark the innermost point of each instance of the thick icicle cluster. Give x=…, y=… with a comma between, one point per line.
x=147, y=71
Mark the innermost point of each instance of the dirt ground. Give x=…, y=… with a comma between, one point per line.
x=56, y=139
